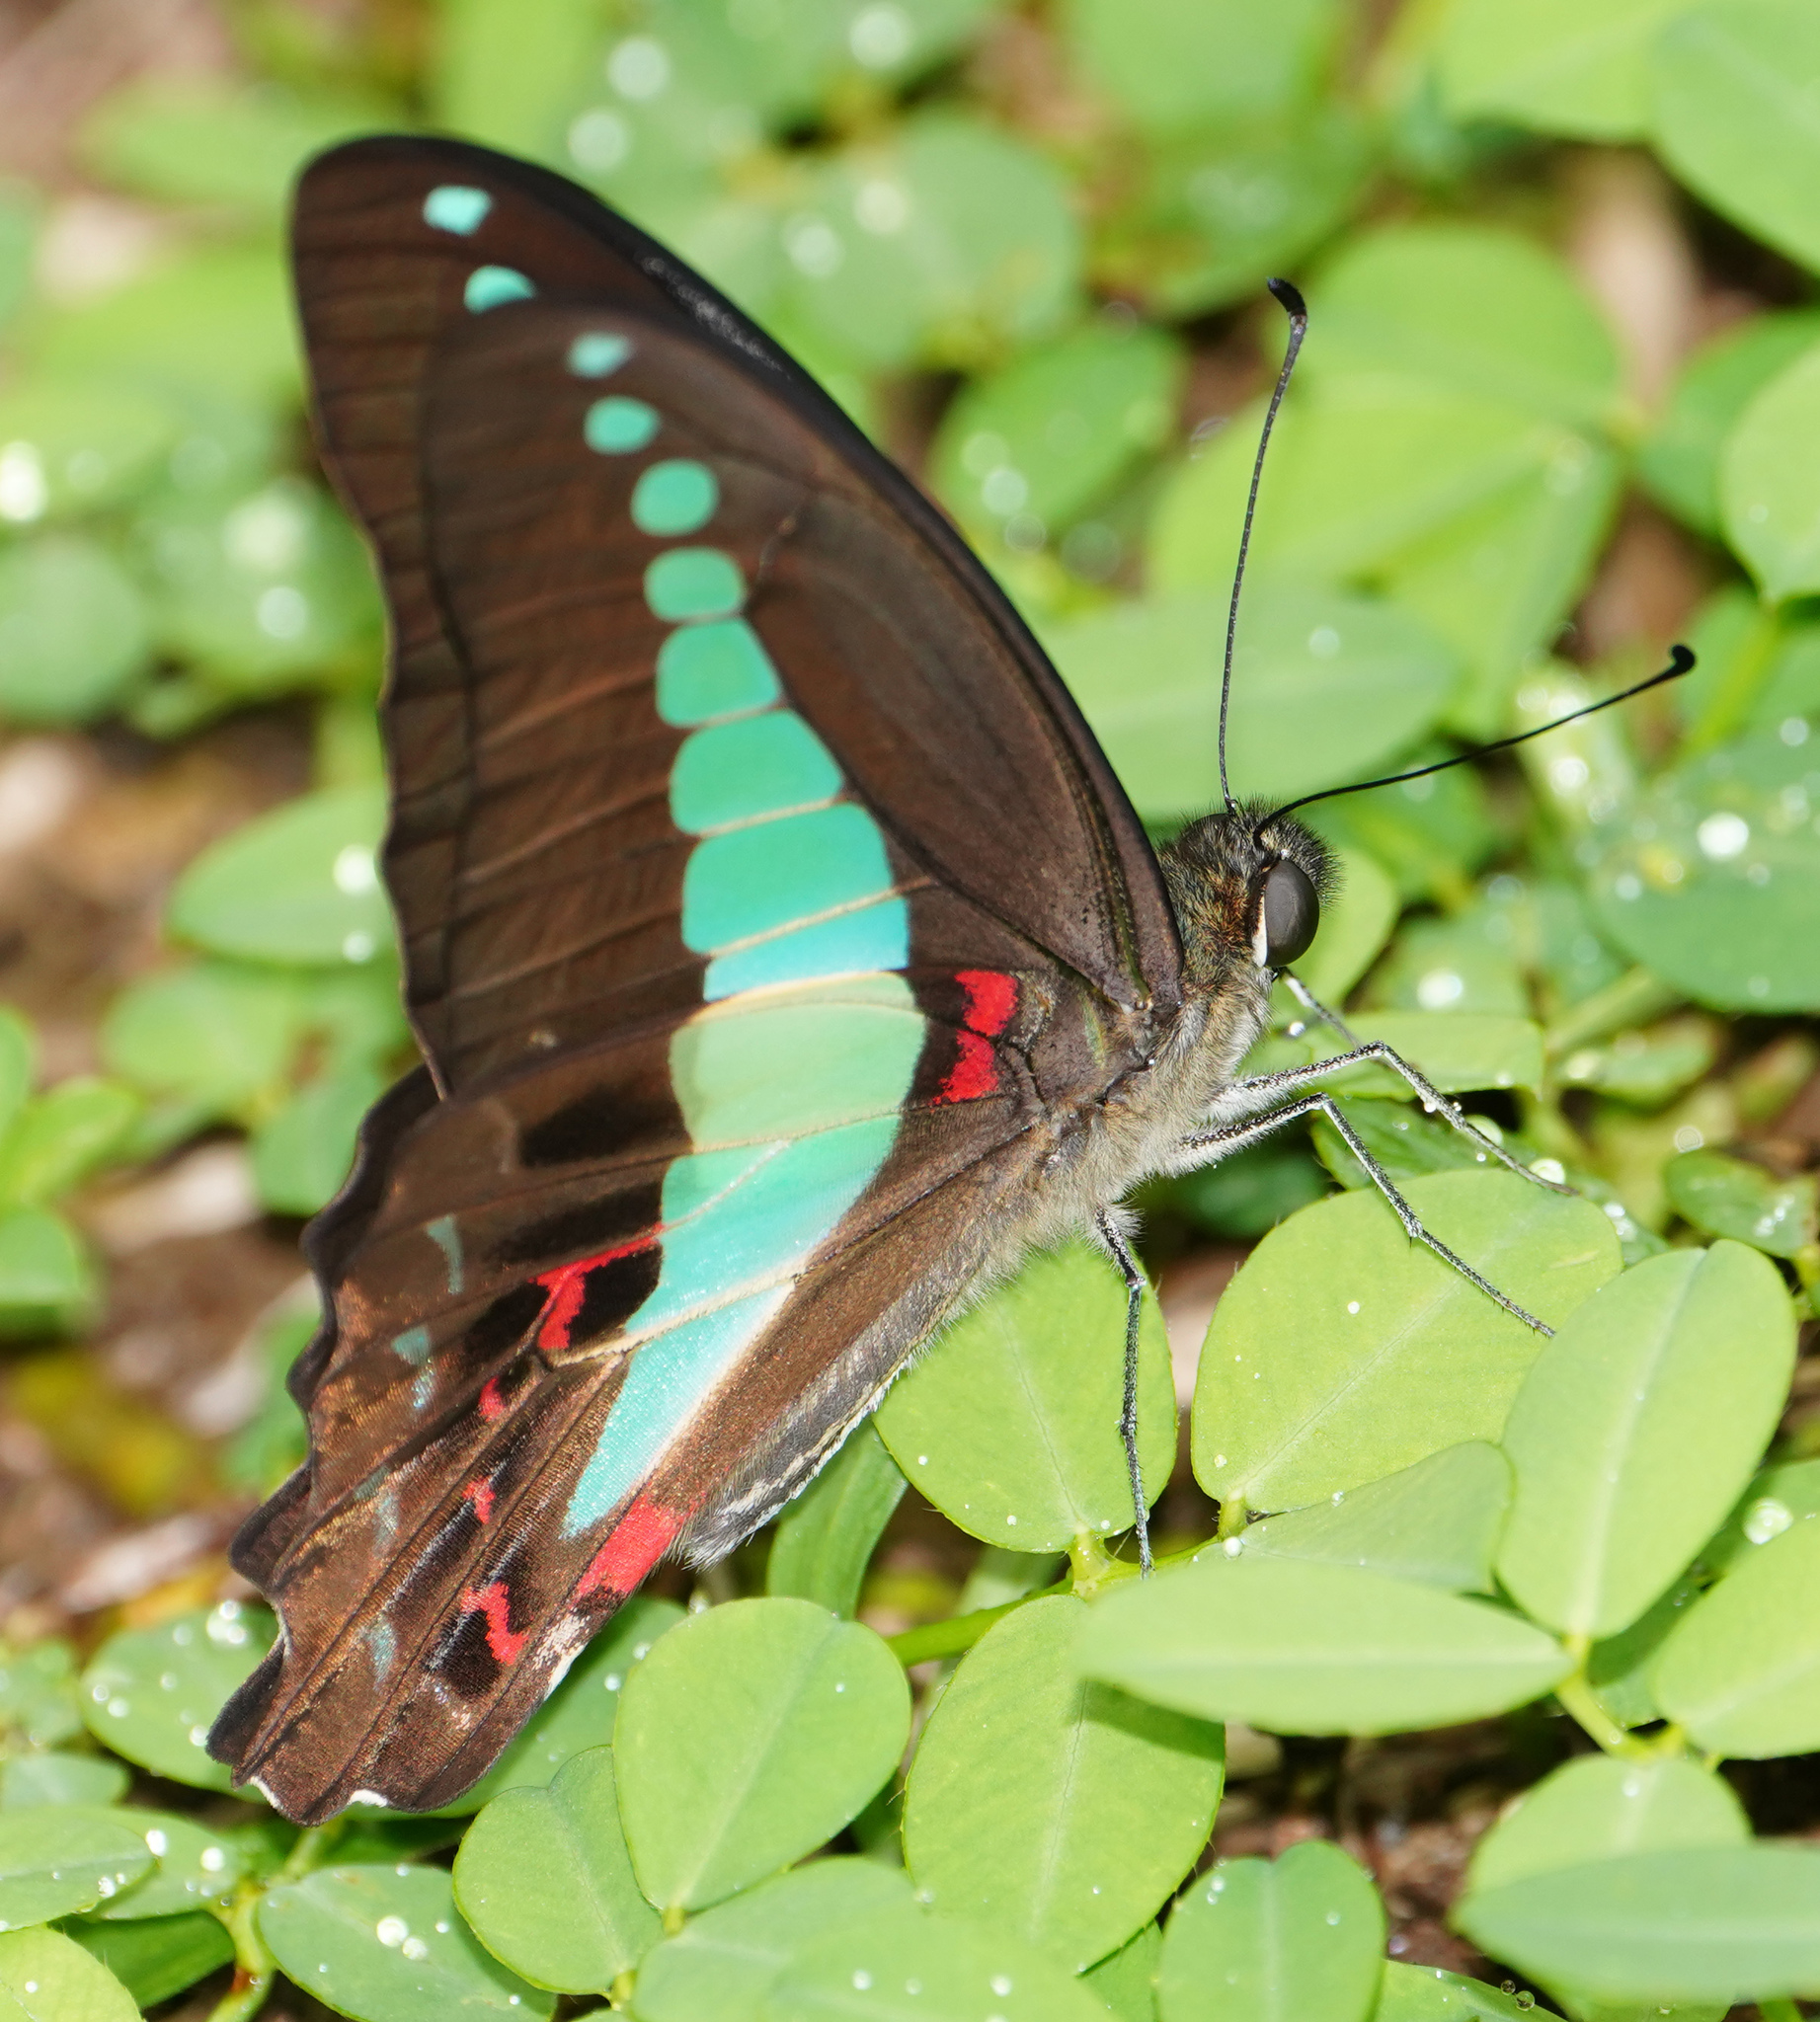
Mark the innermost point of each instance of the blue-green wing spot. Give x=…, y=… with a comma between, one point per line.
x=694, y=582
x=456, y=207
x=753, y=880
x=488, y=287
x=674, y=497
x=714, y=670
x=850, y=944
x=619, y=425
x=793, y=1105
x=758, y=766
x=597, y=352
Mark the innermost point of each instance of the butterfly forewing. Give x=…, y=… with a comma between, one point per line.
x=769, y=918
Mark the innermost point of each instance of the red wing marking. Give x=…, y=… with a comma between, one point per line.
x=567, y=1285
x=492, y=1404
x=478, y=1495
x=492, y=1602
x=638, y=1541
x=992, y=997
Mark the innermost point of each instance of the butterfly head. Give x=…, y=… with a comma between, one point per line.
x=1247, y=888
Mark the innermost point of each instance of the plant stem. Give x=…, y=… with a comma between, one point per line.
x=958, y=1632
x=1576, y=1695
x=1779, y=2009
x=254, y=1968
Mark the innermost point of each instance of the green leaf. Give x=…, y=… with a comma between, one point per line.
x=1482, y=312
x=45, y=1976
x=1770, y=499
x=825, y=1537
x=506, y=77
x=961, y=1972
x=1408, y=1144
x=63, y=1137
x=1618, y=1668
x=722, y=1964
x=46, y=1274
x=53, y=1776
x=894, y=258
x=1733, y=119
x=1174, y=64
x=37, y=1690
x=1325, y=687
x=207, y=140
x=386, y=1944
x=544, y=1877
x=159, y=1955
x=1775, y=1500
x=260, y=589
x=73, y=629
x=195, y=1867
x=1599, y=1804
x=304, y=1152
x=1437, y=1522
x=215, y=1032
x=1713, y=883
x=1249, y=1193
x=1555, y=65
x=1127, y=1982
x=1045, y=436
x=1721, y=1924
x=1730, y=1196
x=1636, y=1430
x=1268, y=1941
x=1342, y=1352
x=1427, y=1993
x=1679, y=460
x=152, y=1694
x=59, y=1858
x=297, y=884
x=1455, y=1049
x=18, y=1064
x=751, y=1734
x=1010, y=1424
x=1296, y=1648
x=579, y=1714
x=74, y=444
x=1051, y=1807
x=1453, y=966
x=1759, y=670
x=1429, y=833
x=1741, y=1669
x=1355, y=923
x=1211, y=212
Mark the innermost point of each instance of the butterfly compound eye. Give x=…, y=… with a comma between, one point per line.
x=1288, y=918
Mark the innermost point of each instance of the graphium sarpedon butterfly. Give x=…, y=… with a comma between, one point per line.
x=785, y=957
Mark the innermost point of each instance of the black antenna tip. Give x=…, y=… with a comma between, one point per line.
x=1290, y=296
x=1681, y=658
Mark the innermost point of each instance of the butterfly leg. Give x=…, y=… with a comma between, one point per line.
x=1222, y=1143
x=1113, y=1237
x=1431, y=1100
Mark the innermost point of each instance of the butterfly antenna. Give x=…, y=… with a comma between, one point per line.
x=1680, y=662
x=1297, y=309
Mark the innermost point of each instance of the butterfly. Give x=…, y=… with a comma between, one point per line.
x=786, y=959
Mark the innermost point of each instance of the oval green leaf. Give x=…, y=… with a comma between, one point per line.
x=1294, y=1648
x=544, y=1877
x=298, y=884
x=1730, y=1196
x=722, y=1964
x=825, y=1539
x=1344, y=1351
x=45, y=1976
x=1557, y=66
x=1741, y=1670
x=58, y=1858
x=74, y=630
x=152, y=1694
x=387, y=1944
x=158, y=1956
x=1009, y=1425
x=53, y=1776
x=926, y=1968
x=1768, y=499
x=1723, y=1923
x=1437, y=1522
x=751, y=1734
x=1636, y=1429
x=1050, y=1806
x=1265, y=1941
x=195, y=1867
x=1428, y=1993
